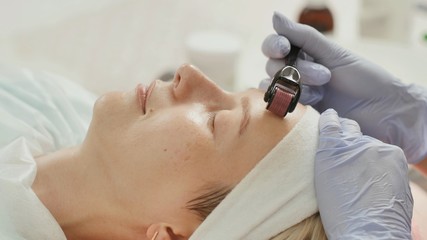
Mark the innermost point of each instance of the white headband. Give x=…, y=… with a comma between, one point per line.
x=275, y=195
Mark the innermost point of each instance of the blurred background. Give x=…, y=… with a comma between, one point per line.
x=114, y=44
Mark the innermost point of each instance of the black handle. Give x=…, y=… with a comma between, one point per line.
x=291, y=58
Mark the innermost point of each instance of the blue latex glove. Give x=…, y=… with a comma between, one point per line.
x=357, y=89
x=362, y=185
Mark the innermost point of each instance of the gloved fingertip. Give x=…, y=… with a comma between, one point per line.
x=275, y=46
x=351, y=127
x=286, y=27
x=277, y=14
x=279, y=21
x=329, y=123
x=329, y=112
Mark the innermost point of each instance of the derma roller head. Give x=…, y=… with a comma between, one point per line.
x=283, y=93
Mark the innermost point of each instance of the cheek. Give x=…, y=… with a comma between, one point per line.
x=190, y=162
x=175, y=142
x=185, y=154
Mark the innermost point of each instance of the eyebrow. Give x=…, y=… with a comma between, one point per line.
x=245, y=115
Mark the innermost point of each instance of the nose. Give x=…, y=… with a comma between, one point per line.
x=190, y=84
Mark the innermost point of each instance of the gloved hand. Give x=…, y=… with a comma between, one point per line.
x=357, y=89
x=362, y=186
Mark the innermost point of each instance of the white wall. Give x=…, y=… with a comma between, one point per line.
x=114, y=44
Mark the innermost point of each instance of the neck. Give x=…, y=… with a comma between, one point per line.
x=69, y=183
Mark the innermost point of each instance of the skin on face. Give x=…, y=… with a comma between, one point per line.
x=192, y=133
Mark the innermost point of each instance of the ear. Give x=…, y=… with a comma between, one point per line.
x=166, y=232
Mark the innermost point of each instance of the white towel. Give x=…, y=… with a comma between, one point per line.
x=275, y=195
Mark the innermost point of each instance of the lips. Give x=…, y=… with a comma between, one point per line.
x=143, y=94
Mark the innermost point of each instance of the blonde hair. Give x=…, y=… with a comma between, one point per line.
x=310, y=228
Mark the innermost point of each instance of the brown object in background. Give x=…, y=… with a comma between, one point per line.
x=317, y=15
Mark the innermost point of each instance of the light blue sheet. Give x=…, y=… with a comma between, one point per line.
x=42, y=107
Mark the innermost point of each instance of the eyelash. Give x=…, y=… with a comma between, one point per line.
x=211, y=120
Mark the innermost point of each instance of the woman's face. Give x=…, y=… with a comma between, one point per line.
x=162, y=144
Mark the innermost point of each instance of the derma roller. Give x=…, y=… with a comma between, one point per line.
x=285, y=89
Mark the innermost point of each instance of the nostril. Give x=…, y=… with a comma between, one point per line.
x=176, y=80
